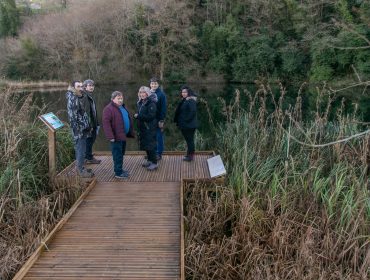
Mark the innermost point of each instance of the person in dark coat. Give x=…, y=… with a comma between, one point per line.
x=186, y=119
x=80, y=125
x=117, y=126
x=161, y=114
x=147, y=122
x=88, y=89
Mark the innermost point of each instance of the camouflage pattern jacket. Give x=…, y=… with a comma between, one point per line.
x=77, y=116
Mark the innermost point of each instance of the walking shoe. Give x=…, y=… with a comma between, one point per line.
x=159, y=157
x=146, y=164
x=152, y=166
x=126, y=172
x=93, y=161
x=85, y=174
x=188, y=158
x=121, y=176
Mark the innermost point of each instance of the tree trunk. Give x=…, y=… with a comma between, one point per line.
x=163, y=59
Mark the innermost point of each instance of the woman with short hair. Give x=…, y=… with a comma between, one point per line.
x=147, y=123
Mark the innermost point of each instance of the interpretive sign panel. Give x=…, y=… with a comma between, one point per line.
x=216, y=166
x=51, y=121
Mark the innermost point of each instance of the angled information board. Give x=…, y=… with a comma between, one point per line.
x=52, y=121
x=53, y=124
x=216, y=166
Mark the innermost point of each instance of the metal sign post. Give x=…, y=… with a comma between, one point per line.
x=53, y=124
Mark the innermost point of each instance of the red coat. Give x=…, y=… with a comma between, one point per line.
x=113, y=124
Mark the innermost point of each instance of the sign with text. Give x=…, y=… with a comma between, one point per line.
x=52, y=121
x=216, y=166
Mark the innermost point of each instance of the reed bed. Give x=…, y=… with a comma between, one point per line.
x=290, y=209
x=29, y=204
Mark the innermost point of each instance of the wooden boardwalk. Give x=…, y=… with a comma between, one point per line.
x=122, y=229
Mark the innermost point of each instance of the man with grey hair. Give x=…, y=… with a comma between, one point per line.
x=88, y=89
x=117, y=125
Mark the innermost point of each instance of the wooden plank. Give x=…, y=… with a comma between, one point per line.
x=26, y=267
x=135, y=234
x=182, y=265
x=171, y=168
x=132, y=225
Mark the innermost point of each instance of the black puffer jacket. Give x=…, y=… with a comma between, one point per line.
x=147, y=122
x=186, y=113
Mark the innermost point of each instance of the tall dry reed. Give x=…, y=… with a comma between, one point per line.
x=29, y=204
x=289, y=209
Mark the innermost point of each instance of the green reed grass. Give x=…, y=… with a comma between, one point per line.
x=29, y=203
x=260, y=157
x=309, y=217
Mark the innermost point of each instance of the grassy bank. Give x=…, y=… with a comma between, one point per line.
x=29, y=204
x=289, y=210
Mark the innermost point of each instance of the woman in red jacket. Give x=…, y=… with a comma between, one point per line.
x=117, y=125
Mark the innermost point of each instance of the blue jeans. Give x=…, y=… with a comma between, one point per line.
x=118, y=151
x=80, y=150
x=89, y=144
x=160, y=141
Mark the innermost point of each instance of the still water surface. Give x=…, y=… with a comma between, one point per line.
x=212, y=95
x=55, y=102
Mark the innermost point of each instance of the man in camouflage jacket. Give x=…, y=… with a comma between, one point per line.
x=80, y=126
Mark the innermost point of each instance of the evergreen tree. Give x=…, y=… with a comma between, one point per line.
x=9, y=18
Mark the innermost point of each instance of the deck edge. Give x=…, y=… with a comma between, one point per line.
x=34, y=257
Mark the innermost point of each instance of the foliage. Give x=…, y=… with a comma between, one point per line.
x=9, y=18
x=29, y=204
x=182, y=40
x=287, y=210
x=24, y=62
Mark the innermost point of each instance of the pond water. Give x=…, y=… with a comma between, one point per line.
x=212, y=96
x=55, y=102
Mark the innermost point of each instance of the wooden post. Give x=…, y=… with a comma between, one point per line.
x=52, y=152
x=53, y=124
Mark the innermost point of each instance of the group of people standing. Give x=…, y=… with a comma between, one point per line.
x=117, y=124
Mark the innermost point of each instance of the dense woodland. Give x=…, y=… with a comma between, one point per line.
x=288, y=209
x=181, y=40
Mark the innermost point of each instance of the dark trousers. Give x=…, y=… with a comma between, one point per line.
x=160, y=141
x=80, y=148
x=188, y=134
x=89, y=144
x=118, y=151
x=152, y=156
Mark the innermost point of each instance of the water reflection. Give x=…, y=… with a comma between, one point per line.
x=55, y=101
x=212, y=94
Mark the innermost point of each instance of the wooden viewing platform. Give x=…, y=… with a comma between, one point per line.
x=121, y=229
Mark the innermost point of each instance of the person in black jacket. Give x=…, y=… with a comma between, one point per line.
x=161, y=114
x=186, y=119
x=147, y=122
x=88, y=89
